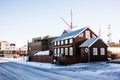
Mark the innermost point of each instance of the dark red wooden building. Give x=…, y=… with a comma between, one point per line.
x=82, y=45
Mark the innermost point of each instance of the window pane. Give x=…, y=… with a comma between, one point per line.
x=71, y=40
x=62, y=50
x=66, y=41
x=58, y=42
x=55, y=43
x=71, y=51
x=102, y=50
x=87, y=34
x=66, y=51
x=95, y=52
x=61, y=42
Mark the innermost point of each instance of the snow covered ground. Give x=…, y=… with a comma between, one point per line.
x=81, y=71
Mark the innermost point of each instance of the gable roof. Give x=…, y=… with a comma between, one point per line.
x=70, y=34
x=89, y=42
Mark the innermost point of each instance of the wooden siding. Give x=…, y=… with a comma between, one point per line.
x=99, y=44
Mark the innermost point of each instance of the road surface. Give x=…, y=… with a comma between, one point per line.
x=16, y=71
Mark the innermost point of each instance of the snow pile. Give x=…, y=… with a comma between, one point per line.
x=42, y=53
x=114, y=49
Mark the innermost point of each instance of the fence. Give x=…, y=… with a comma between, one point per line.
x=42, y=58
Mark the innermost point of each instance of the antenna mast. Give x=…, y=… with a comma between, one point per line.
x=109, y=34
x=71, y=23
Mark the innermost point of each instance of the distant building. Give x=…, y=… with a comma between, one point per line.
x=40, y=44
x=10, y=48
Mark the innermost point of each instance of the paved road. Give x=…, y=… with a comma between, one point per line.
x=15, y=71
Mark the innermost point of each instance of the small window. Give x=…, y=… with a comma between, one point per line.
x=55, y=43
x=87, y=34
x=58, y=43
x=58, y=50
x=95, y=52
x=71, y=51
x=66, y=51
x=70, y=40
x=54, y=50
x=55, y=54
x=62, y=50
x=81, y=35
x=102, y=51
x=66, y=41
x=62, y=42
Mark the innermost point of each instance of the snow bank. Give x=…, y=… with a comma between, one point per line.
x=42, y=53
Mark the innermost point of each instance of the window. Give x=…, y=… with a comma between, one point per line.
x=70, y=40
x=58, y=50
x=62, y=50
x=66, y=41
x=54, y=50
x=87, y=34
x=61, y=42
x=55, y=43
x=66, y=51
x=55, y=54
x=102, y=51
x=58, y=42
x=71, y=51
x=81, y=35
x=95, y=52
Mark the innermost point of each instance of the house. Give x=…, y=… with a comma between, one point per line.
x=82, y=45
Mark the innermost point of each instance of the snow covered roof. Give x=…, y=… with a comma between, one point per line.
x=70, y=34
x=42, y=53
x=89, y=42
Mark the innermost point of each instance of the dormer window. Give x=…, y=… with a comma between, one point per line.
x=87, y=34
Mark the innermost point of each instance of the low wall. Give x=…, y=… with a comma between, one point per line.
x=42, y=58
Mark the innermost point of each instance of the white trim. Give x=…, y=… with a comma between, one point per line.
x=93, y=42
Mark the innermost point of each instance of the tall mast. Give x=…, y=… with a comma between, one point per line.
x=71, y=22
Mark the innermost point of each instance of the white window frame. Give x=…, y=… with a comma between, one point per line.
x=87, y=34
x=54, y=50
x=66, y=41
x=55, y=43
x=58, y=42
x=71, y=51
x=71, y=40
x=58, y=50
x=61, y=50
x=66, y=51
x=62, y=42
x=95, y=51
x=102, y=51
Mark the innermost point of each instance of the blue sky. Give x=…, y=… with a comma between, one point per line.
x=22, y=20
